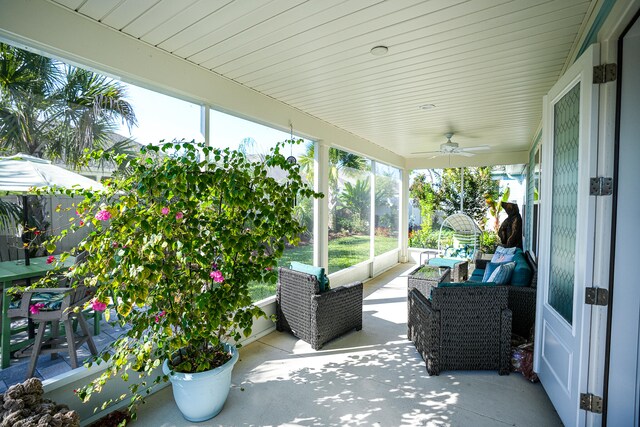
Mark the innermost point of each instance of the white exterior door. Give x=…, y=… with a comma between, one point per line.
x=567, y=233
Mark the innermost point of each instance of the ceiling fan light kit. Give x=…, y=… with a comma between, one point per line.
x=454, y=148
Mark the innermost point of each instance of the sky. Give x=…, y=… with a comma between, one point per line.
x=163, y=117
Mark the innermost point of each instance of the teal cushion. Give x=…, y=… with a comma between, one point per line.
x=522, y=273
x=466, y=284
x=315, y=271
x=444, y=262
x=502, y=274
x=477, y=275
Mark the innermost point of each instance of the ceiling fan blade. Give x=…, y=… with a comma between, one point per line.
x=463, y=153
x=477, y=148
x=427, y=152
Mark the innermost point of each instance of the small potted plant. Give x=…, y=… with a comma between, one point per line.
x=174, y=247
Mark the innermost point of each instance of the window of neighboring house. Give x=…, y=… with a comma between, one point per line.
x=349, y=209
x=387, y=208
x=256, y=140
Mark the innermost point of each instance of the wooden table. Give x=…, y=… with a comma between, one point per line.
x=10, y=271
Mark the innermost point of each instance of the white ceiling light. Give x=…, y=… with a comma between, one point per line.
x=379, y=50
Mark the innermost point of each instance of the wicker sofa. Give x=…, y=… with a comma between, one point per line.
x=522, y=295
x=461, y=328
x=312, y=316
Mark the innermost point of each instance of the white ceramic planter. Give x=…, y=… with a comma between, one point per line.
x=201, y=396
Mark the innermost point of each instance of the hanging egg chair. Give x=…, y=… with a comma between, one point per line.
x=459, y=237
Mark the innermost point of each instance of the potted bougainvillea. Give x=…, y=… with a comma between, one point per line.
x=173, y=248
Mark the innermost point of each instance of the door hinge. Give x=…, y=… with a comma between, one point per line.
x=591, y=403
x=604, y=73
x=596, y=296
x=600, y=186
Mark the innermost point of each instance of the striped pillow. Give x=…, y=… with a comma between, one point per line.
x=502, y=274
x=507, y=251
x=489, y=269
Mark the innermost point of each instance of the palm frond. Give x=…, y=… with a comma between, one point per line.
x=9, y=214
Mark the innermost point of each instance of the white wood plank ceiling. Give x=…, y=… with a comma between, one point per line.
x=484, y=64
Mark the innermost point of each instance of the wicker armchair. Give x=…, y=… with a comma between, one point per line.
x=462, y=328
x=312, y=316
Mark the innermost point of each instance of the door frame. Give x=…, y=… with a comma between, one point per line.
x=618, y=52
x=550, y=325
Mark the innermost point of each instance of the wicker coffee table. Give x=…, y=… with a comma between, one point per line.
x=426, y=277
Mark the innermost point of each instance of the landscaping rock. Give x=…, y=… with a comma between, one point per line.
x=23, y=406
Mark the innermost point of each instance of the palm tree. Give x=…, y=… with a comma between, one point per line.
x=49, y=109
x=356, y=198
x=339, y=162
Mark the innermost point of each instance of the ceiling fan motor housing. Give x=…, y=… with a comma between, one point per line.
x=449, y=147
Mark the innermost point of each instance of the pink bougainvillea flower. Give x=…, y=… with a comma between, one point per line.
x=165, y=211
x=81, y=223
x=179, y=215
x=98, y=305
x=268, y=268
x=103, y=215
x=50, y=259
x=35, y=308
x=160, y=315
x=217, y=276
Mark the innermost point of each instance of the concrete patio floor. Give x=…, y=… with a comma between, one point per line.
x=371, y=377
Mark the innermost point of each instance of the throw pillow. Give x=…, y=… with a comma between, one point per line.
x=310, y=269
x=508, y=251
x=489, y=269
x=502, y=257
x=502, y=274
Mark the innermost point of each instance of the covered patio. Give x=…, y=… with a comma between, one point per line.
x=370, y=377
x=398, y=84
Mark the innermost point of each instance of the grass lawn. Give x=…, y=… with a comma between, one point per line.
x=343, y=252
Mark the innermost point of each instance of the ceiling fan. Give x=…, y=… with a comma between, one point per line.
x=454, y=148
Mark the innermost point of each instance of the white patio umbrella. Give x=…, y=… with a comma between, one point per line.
x=21, y=174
